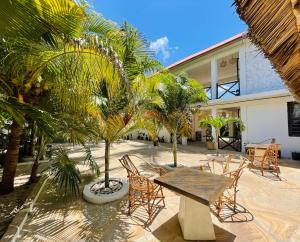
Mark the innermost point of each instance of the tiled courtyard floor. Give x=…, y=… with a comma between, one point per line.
x=270, y=207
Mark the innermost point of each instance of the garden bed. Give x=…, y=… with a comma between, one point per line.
x=96, y=192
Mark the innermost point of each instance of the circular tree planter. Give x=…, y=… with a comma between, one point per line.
x=171, y=166
x=95, y=192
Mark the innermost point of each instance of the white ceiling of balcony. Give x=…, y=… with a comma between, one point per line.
x=227, y=70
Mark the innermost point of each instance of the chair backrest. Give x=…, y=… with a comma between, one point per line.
x=272, y=154
x=236, y=174
x=227, y=162
x=129, y=166
x=140, y=183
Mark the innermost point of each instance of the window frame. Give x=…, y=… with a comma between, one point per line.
x=290, y=109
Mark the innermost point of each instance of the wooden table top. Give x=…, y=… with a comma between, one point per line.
x=261, y=146
x=201, y=186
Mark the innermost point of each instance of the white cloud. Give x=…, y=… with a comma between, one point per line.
x=161, y=47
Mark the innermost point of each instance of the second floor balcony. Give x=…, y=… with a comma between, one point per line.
x=219, y=76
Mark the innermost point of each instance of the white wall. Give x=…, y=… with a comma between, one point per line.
x=266, y=119
x=260, y=76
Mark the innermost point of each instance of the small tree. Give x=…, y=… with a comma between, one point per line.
x=178, y=94
x=220, y=122
x=120, y=103
x=153, y=126
x=117, y=117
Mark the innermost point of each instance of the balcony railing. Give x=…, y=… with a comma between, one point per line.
x=208, y=92
x=228, y=89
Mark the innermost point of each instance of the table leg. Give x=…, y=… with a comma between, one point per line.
x=195, y=220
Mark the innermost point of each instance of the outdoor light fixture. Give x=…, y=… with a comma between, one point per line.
x=232, y=60
x=223, y=63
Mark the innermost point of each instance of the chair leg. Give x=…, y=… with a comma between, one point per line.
x=262, y=168
x=129, y=201
x=234, y=199
x=219, y=205
x=163, y=197
x=149, y=210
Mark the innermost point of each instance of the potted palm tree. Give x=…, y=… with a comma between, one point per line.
x=217, y=123
x=119, y=107
x=178, y=95
x=210, y=143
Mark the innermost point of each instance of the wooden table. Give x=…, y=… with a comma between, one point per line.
x=263, y=147
x=198, y=189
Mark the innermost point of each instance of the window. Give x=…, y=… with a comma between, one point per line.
x=294, y=118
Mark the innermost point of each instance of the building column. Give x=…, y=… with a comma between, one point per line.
x=214, y=77
x=242, y=70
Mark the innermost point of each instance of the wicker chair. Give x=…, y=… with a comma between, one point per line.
x=142, y=191
x=225, y=165
x=229, y=195
x=129, y=166
x=265, y=158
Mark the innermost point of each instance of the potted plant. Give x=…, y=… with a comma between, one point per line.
x=217, y=123
x=210, y=143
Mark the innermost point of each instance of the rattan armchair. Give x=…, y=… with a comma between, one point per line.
x=142, y=191
x=128, y=164
x=228, y=197
x=265, y=158
x=225, y=164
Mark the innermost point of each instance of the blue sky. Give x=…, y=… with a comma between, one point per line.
x=176, y=28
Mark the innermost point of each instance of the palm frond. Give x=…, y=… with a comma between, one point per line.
x=90, y=160
x=65, y=175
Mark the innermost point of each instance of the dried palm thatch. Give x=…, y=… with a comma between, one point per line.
x=274, y=25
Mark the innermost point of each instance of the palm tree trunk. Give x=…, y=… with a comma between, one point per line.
x=33, y=175
x=174, y=141
x=11, y=159
x=32, y=139
x=107, y=154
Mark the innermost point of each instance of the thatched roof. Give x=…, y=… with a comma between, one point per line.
x=274, y=25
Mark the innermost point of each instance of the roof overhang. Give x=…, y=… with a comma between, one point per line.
x=207, y=50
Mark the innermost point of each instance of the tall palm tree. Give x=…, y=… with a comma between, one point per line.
x=179, y=94
x=43, y=42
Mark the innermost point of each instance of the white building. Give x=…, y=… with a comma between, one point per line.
x=241, y=82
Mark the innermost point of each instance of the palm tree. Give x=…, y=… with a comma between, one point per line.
x=179, y=95
x=153, y=126
x=120, y=104
x=42, y=44
x=220, y=122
